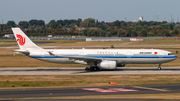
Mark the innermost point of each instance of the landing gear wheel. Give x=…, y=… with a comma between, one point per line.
x=97, y=68
x=92, y=68
x=87, y=69
x=159, y=68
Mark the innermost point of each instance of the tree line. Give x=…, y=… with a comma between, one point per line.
x=93, y=27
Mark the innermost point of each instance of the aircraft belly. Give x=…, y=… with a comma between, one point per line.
x=58, y=60
x=144, y=60
x=138, y=61
x=119, y=60
x=164, y=60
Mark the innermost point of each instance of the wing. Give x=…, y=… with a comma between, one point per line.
x=83, y=58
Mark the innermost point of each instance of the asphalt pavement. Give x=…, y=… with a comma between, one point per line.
x=98, y=100
x=81, y=71
x=83, y=91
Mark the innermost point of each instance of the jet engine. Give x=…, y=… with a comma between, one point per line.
x=107, y=65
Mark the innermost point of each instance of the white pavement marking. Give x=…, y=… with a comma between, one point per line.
x=109, y=90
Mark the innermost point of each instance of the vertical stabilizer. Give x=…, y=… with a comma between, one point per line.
x=23, y=41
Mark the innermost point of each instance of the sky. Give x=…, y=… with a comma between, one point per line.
x=102, y=10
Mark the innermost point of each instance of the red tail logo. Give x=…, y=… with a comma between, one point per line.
x=20, y=39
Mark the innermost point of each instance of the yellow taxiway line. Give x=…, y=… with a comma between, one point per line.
x=150, y=88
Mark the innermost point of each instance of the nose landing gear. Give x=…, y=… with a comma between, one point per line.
x=159, y=67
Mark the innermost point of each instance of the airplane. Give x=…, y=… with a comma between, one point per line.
x=96, y=58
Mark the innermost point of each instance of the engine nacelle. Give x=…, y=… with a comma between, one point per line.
x=121, y=65
x=107, y=65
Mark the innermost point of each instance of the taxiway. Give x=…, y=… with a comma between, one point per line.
x=81, y=71
x=83, y=91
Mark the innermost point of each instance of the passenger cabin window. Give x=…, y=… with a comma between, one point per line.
x=170, y=53
x=106, y=52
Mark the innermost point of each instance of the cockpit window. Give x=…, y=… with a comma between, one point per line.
x=170, y=53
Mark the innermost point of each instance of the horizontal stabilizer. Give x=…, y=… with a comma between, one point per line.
x=25, y=52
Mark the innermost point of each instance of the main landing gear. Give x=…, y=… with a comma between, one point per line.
x=92, y=68
x=159, y=67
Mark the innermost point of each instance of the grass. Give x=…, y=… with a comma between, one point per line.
x=171, y=41
x=12, y=43
x=172, y=96
x=26, y=81
x=26, y=62
x=33, y=83
x=94, y=43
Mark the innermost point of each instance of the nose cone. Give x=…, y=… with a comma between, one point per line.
x=175, y=57
x=171, y=57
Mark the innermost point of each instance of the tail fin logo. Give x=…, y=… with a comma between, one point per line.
x=20, y=39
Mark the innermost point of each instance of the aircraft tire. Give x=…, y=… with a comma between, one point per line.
x=87, y=69
x=97, y=68
x=92, y=68
x=159, y=68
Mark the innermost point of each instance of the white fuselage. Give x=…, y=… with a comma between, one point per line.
x=122, y=56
